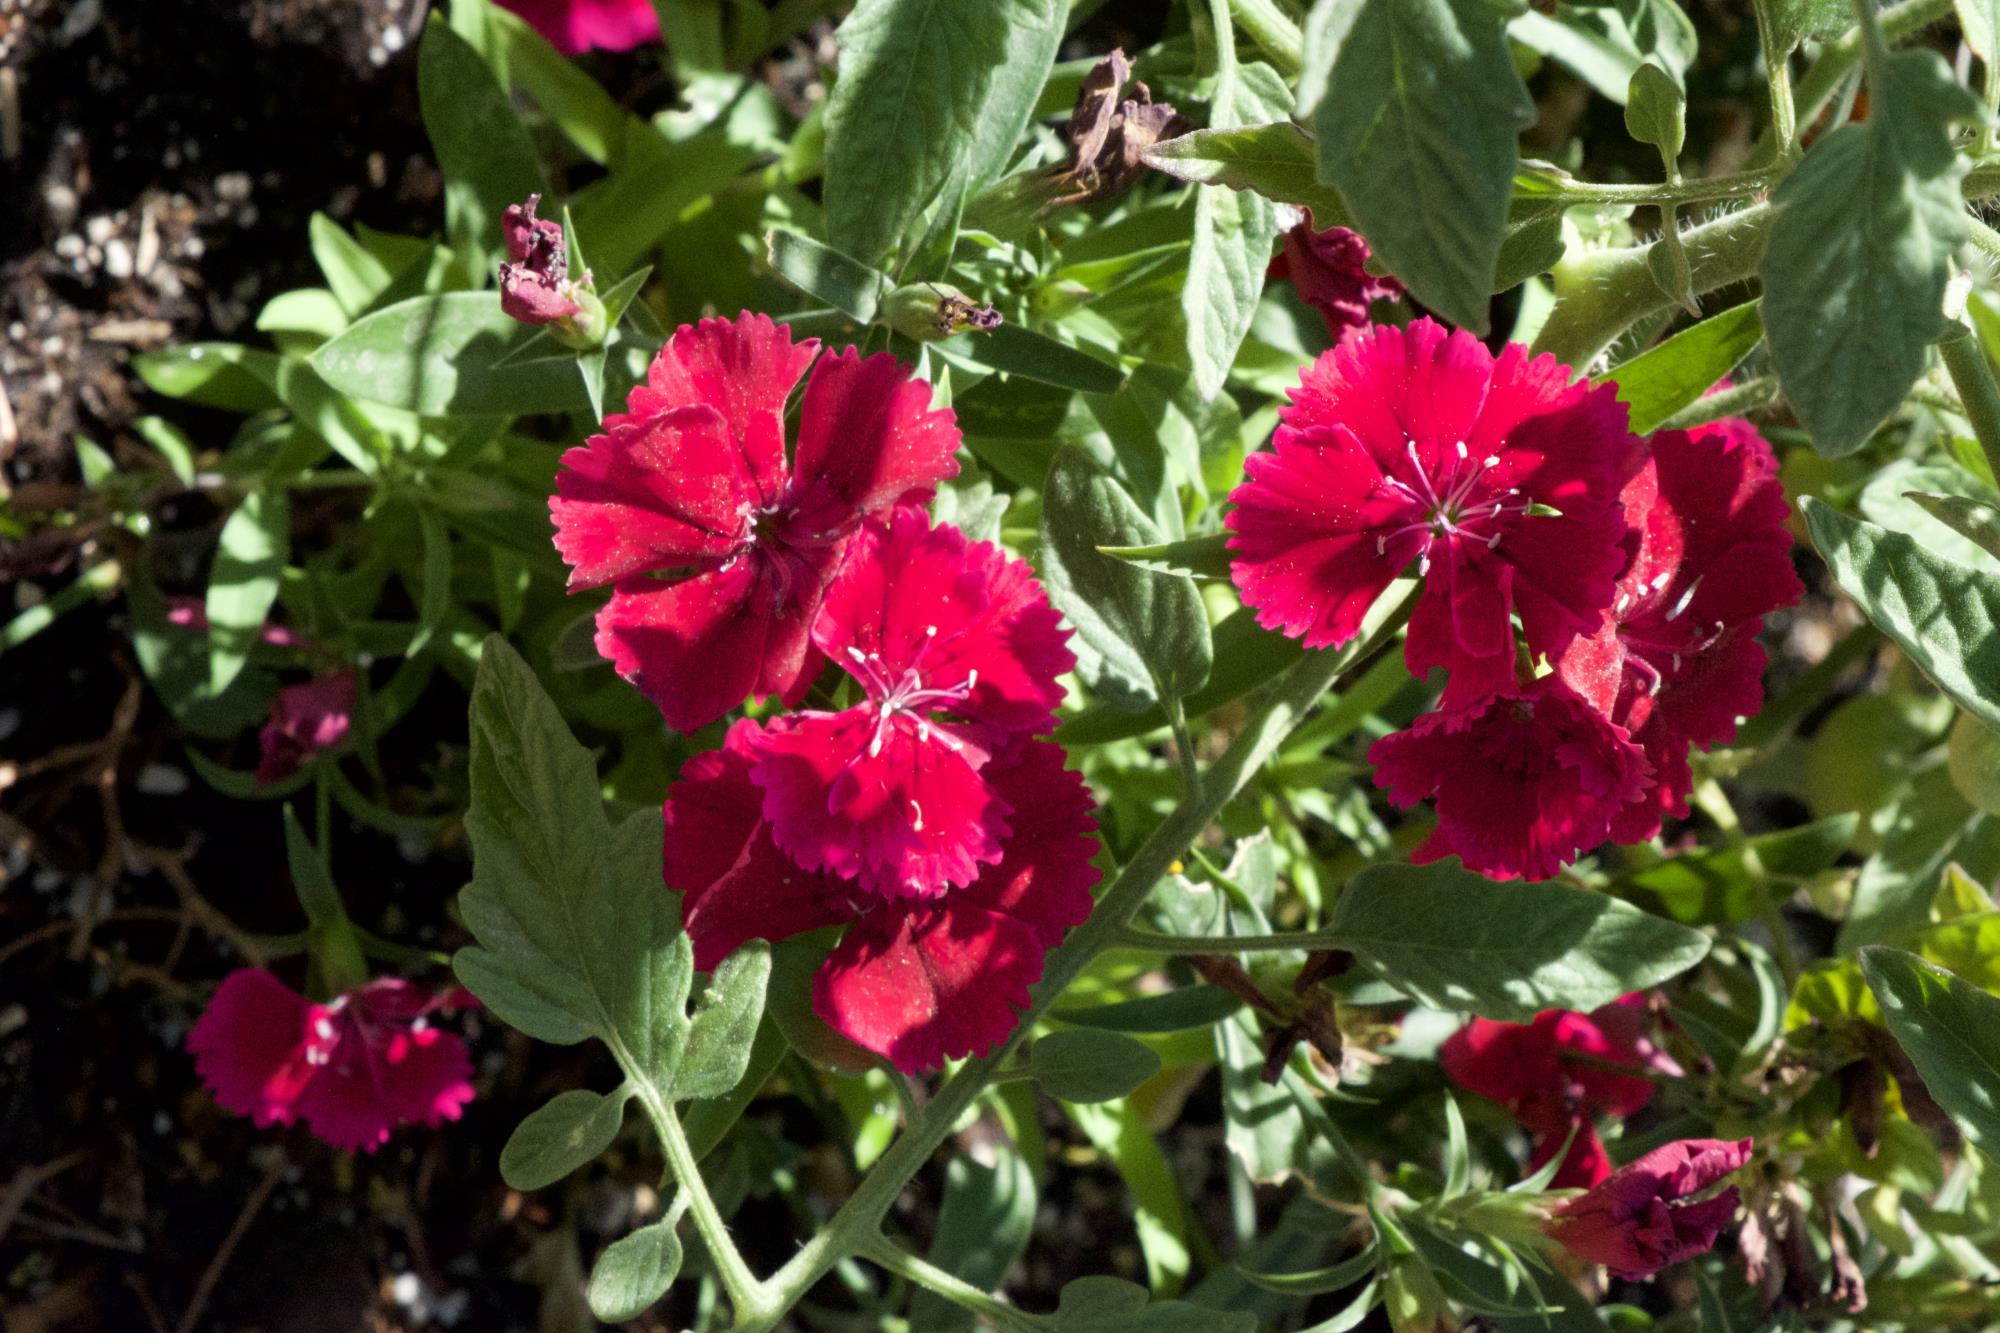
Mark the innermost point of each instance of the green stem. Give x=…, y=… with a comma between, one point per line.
x=1965, y=361
x=1154, y=941
x=750, y=1298
x=1183, y=745
x=1983, y=236
x=1566, y=191
x=1778, y=72
x=1731, y=402
x=1276, y=34
x=1284, y=706
x=892, y=1257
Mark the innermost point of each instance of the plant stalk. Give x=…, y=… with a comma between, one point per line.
x=1965, y=361
x=892, y=1257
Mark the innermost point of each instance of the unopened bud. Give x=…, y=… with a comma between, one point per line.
x=928, y=311
x=1413, y=1299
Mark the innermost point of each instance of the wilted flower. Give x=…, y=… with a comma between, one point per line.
x=1108, y=135
x=1639, y=1219
x=306, y=719
x=1328, y=267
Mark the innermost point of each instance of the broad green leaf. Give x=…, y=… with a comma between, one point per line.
x=571, y=1129
x=574, y=936
x=1113, y=1305
x=919, y=81
x=482, y=148
x=1924, y=831
x=1972, y=757
x=1171, y=1011
x=355, y=276
x=1855, y=270
x=1419, y=131
x=707, y=1121
x=225, y=375
x=1278, y=161
x=634, y=1272
x=1656, y=112
x=458, y=355
x=1455, y=940
x=1091, y=1065
x=1023, y=352
x=1979, y=23
x=243, y=582
x=1950, y=1029
x=1796, y=20
x=1714, y=885
x=1233, y=231
x=1892, y=499
x=1262, y=1125
x=1945, y=616
x=1140, y=638
x=983, y=1227
x=1975, y=520
x=1604, y=43
x=825, y=274
x=725, y=1024
x=1195, y=557
x=1662, y=380
x=570, y=98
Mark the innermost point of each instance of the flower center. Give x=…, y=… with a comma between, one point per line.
x=907, y=695
x=1662, y=636
x=1457, y=502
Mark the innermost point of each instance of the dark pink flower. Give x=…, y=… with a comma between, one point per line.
x=306, y=720
x=1328, y=269
x=353, y=1069
x=1675, y=659
x=1525, y=778
x=576, y=26
x=955, y=647
x=919, y=981
x=718, y=550
x=534, y=285
x=1498, y=477
x=1638, y=1220
x=1558, y=1072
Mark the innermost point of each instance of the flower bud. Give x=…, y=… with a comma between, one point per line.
x=928, y=311
x=1413, y=1299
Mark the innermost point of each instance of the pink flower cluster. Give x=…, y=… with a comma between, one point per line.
x=1543, y=531
x=929, y=815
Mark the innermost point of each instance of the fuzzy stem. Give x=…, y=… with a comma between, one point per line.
x=1276, y=35
x=1778, y=73
x=923, y=1273
x=1965, y=361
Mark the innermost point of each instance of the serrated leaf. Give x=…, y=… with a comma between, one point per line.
x=1950, y=1029
x=1140, y=637
x=1091, y=1065
x=1457, y=941
x=1662, y=380
x=634, y=1272
x=243, y=582
x=1419, y=131
x=919, y=81
x=1945, y=616
x=569, y=1130
x=725, y=1024
x=1855, y=269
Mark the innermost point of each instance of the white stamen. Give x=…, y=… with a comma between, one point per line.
x=916, y=816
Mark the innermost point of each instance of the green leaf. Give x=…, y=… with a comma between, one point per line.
x=983, y=1228
x=225, y=375
x=1605, y=42
x=310, y=878
x=571, y=99
x=1979, y=23
x=1319, y=1281
x=1661, y=381
x=457, y=354
x=1796, y=20
x=243, y=582
x=1091, y=1065
x=1196, y=557
x=1455, y=940
x=1278, y=161
x=482, y=148
x=1945, y=616
x=433, y=588
x=1656, y=112
x=1233, y=231
x=634, y=1272
x=725, y=1024
x=1173, y=1011
x=1974, y=520
x=1021, y=351
x=1714, y=885
x=1950, y=1029
x=571, y=1129
x=1855, y=270
x=355, y=276
x=1419, y=130
x=1113, y=1305
x=825, y=274
x=1140, y=638
x=1888, y=500
x=919, y=81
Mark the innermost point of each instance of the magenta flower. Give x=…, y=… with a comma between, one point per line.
x=535, y=286
x=1558, y=1072
x=576, y=26
x=1638, y=1220
x=353, y=1069
x=306, y=719
x=718, y=551
x=1498, y=477
x=1525, y=778
x=955, y=647
x=1328, y=269
x=1675, y=659
x=919, y=981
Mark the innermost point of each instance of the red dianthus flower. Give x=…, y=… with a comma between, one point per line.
x=1498, y=476
x=956, y=648
x=1554, y=1074
x=1675, y=659
x=306, y=719
x=1636, y=1221
x=717, y=549
x=353, y=1069
x=576, y=26
x=919, y=981
x=1525, y=778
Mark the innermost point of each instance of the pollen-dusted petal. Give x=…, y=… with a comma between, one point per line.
x=745, y=369
x=717, y=853
x=1044, y=875
x=950, y=616
x=1524, y=780
x=899, y=807
x=868, y=439
x=249, y=1046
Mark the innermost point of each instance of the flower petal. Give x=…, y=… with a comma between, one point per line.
x=745, y=370
x=249, y=1046
x=868, y=439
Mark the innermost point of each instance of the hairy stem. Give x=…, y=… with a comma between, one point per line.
x=1778, y=72
x=1563, y=190
x=1965, y=361
x=746, y=1294
x=1276, y=35
x=929, y=1276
